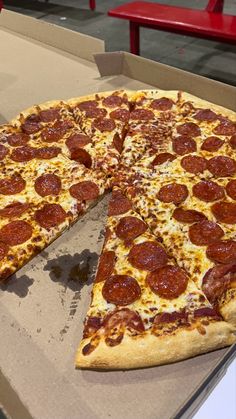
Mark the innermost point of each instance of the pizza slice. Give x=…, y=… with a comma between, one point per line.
x=40, y=200
x=195, y=218
x=145, y=310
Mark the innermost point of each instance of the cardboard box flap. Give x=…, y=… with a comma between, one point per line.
x=165, y=77
x=75, y=43
x=110, y=63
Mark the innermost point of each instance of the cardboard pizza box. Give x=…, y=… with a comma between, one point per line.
x=43, y=306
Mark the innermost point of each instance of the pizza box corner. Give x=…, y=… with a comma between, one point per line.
x=42, y=307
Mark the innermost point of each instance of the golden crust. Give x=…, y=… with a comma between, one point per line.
x=173, y=94
x=228, y=306
x=34, y=108
x=148, y=350
x=202, y=103
x=73, y=101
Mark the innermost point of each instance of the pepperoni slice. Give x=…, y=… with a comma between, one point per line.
x=121, y=290
x=129, y=228
x=123, y=317
x=87, y=104
x=3, y=151
x=47, y=153
x=212, y=144
x=48, y=184
x=168, y=282
x=13, y=210
x=173, y=192
x=115, y=324
x=120, y=114
x=112, y=101
x=82, y=156
x=21, y=154
x=194, y=164
x=84, y=191
x=104, y=124
x=188, y=216
x=49, y=115
x=222, y=166
x=148, y=256
x=142, y=115
x=118, y=204
x=226, y=127
x=106, y=265
x=232, y=141
x=16, y=232
x=217, y=280
x=30, y=126
x=162, y=158
x=208, y=191
x=205, y=232
x=189, y=129
x=12, y=185
x=32, y=118
x=3, y=250
x=175, y=316
x=183, y=145
x=222, y=251
x=224, y=212
x=50, y=215
x=56, y=131
x=76, y=141
x=18, y=139
x=207, y=312
x=162, y=104
x=231, y=189
x=96, y=113
x=205, y=115
x=51, y=134
x=118, y=142
x=119, y=320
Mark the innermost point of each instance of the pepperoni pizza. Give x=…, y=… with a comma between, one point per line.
x=145, y=309
x=165, y=287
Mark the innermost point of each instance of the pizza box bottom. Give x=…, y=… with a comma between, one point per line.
x=42, y=310
x=42, y=307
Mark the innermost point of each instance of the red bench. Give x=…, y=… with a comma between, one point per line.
x=210, y=23
x=92, y=4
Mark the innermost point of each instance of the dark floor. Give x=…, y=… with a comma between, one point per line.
x=208, y=58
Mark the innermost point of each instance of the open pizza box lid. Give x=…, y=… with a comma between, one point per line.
x=43, y=306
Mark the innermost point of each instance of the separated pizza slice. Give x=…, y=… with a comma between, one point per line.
x=145, y=310
x=104, y=118
x=40, y=200
x=195, y=219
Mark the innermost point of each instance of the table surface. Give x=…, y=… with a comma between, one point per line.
x=221, y=403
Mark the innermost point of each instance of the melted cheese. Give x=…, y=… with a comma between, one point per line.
x=149, y=304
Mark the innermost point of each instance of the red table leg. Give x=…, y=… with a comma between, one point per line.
x=92, y=4
x=134, y=37
x=216, y=6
